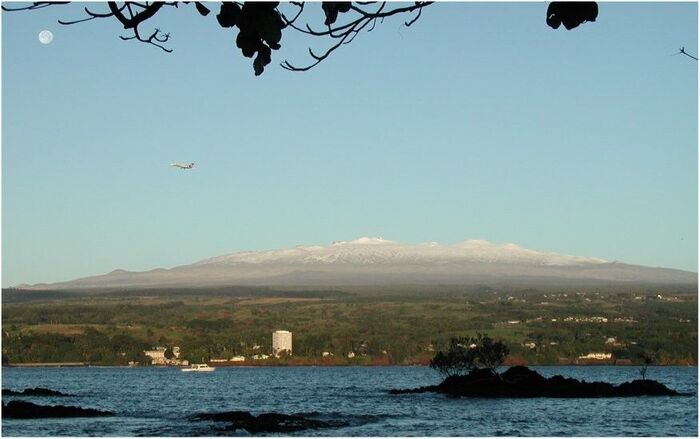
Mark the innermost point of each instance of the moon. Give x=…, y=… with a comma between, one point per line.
x=45, y=37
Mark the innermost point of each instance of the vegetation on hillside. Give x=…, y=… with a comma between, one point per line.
x=538, y=326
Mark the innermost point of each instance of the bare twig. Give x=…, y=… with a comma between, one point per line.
x=288, y=22
x=347, y=32
x=35, y=5
x=364, y=16
x=409, y=23
x=682, y=51
x=91, y=16
x=155, y=39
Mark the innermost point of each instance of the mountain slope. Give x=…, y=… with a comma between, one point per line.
x=370, y=261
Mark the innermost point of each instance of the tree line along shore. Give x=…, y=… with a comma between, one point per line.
x=362, y=326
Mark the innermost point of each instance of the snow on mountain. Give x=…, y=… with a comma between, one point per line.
x=364, y=251
x=377, y=261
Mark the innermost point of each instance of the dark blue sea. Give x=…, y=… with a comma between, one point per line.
x=160, y=401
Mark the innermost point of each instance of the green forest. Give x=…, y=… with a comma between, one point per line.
x=397, y=325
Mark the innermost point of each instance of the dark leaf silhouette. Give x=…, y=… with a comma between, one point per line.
x=331, y=10
x=249, y=43
x=228, y=15
x=203, y=10
x=571, y=14
x=264, y=57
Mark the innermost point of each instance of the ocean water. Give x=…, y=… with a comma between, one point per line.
x=160, y=402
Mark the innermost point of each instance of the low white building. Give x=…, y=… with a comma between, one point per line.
x=156, y=354
x=596, y=356
x=281, y=342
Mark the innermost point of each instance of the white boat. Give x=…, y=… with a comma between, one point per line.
x=198, y=368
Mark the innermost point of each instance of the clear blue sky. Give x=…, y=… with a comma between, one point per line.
x=477, y=122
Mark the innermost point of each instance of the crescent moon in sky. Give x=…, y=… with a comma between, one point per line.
x=45, y=37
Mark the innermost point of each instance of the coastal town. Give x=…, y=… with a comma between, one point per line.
x=281, y=346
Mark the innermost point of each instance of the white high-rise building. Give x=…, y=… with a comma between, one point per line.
x=281, y=341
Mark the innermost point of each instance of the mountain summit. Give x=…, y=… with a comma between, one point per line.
x=367, y=251
x=377, y=261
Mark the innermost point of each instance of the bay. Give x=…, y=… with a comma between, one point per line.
x=152, y=401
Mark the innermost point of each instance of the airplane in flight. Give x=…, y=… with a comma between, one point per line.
x=182, y=166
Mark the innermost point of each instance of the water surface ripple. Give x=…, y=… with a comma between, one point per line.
x=159, y=402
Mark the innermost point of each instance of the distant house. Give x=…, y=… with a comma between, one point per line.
x=157, y=355
x=326, y=354
x=260, y=357
x=362, y=349
x=351, y=354
x=530, y=345
x=238, y=358
x=596, y=319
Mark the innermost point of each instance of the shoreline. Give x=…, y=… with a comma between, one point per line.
x=227, y=366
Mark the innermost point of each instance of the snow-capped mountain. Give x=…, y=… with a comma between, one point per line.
x=370, y=261
x=368, y=251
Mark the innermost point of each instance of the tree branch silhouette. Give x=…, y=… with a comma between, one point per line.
x=346, y=33
x=683, y=52
x=261, y=24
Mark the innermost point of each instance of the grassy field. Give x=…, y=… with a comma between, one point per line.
x=545, y=325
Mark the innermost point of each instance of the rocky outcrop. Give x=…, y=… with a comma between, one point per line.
x=28, y=410
x=266, y=422
x=521, y=382
x=36, y=391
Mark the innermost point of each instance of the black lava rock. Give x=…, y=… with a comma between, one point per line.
x=266, y=422
x=36, y=391
x=28, y=410
x=521, y=382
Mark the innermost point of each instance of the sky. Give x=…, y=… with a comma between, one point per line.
x=477, y=122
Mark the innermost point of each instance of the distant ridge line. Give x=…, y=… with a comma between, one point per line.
x=377, y=261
